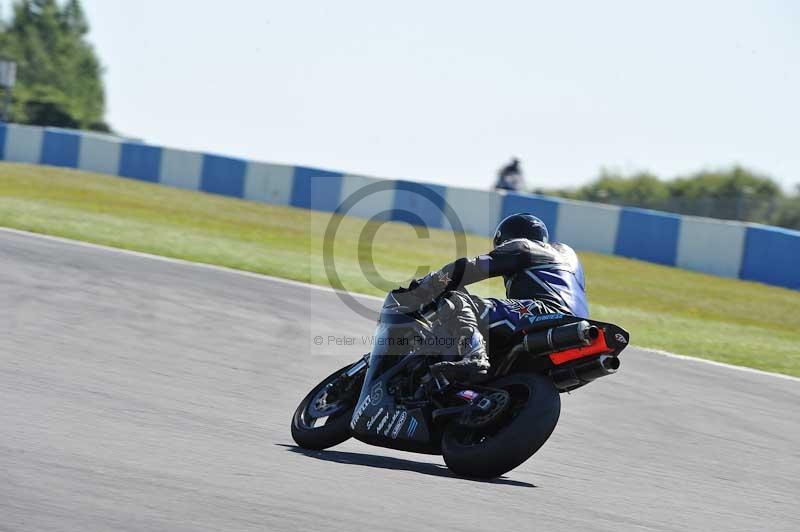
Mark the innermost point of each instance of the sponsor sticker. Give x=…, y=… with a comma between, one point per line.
x=399, y=425
x=469, y=395
x=374, y=418
x=412, y=427
x=383, y=422
x=360, y=411
x=620, y=338
x=389, y=426
x=376, y=393
x=547, y=317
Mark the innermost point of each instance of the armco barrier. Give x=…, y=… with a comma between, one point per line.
x=712, y=246
x=477, y=210
x=772, y=255
x=748, y=251
x=99, y=155
x=269, y=183
x=223, y=175
x=61, y=148
x=366, y=197
x=418, y=204
x=182, y=169
x=23, y=144
x=545, y=208
x=140, y=161
x=316, y=189
x=588, y=226
x=648, y=235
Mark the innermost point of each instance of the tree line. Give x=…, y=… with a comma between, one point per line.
x=734, y=194
x=59, y=79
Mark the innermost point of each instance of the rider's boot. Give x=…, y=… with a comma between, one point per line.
x=473, y=366
x=457, y=315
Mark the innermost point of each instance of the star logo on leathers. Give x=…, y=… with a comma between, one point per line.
x=524, y=310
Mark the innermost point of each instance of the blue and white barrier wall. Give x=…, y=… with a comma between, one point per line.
x=731, y=249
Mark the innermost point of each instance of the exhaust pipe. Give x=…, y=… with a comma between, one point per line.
x=578, y=334
x=584, y=373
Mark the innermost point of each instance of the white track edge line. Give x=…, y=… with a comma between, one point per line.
x=174, y=260
x=301, y=284
x=720, y=364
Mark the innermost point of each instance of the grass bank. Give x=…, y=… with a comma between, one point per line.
x=700, y=315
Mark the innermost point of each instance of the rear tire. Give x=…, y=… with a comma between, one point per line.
x=336, y=428
x=488, y=453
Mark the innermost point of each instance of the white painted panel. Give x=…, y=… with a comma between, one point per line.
x=478, y=210
x=23, y=143
x=587, y=226
x=99, y=155
x=367, y=202
x=269, y=183
x=181, y=168
x=711, y=246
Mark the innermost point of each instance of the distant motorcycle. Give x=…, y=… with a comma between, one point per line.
x=389, y=398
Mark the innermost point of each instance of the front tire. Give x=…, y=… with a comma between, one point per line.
x=488, y=453
x=321, y=421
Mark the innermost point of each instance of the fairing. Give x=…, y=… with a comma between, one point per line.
x=377, y=418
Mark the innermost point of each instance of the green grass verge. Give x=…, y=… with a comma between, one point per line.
x=700, y=315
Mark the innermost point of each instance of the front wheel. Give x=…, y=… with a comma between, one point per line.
x=322, y=418
x=490, y=451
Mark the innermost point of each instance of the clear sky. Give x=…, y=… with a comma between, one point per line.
x=447, y=91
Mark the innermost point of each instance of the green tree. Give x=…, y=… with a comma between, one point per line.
x=788, y=214
x=735, y=194
x=58, y=73
x=642, y=189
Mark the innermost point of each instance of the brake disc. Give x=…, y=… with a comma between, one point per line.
x=501, y=401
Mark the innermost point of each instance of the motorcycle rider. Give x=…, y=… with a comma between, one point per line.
x=541, y=278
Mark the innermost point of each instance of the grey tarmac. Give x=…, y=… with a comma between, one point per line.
x=146, y=395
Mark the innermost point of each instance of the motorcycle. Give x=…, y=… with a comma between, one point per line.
x=390, y=398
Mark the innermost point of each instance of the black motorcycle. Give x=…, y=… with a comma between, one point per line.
x=390, y=398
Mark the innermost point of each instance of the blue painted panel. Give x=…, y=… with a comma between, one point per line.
x=316, y=189
x=546, y=209
x=140, y=161
x=648, y=235
x=2, y=140
x=418, y=204
x=772, y=255
x=223, y=175
x=61, y=148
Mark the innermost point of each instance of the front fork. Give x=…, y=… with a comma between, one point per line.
x=358, y=367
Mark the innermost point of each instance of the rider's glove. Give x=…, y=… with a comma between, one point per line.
x=430, y=287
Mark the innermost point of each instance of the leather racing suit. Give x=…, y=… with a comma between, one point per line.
x=540, y=279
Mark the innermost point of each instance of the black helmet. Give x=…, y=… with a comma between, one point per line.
x=522, y=225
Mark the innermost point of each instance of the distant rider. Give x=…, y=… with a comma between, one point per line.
x=540, y=278
x=510, y=177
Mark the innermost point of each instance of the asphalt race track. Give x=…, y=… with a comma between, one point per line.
x=141, y=394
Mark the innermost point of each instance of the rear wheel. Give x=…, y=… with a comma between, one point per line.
x=322, y=419
x=491, y=450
